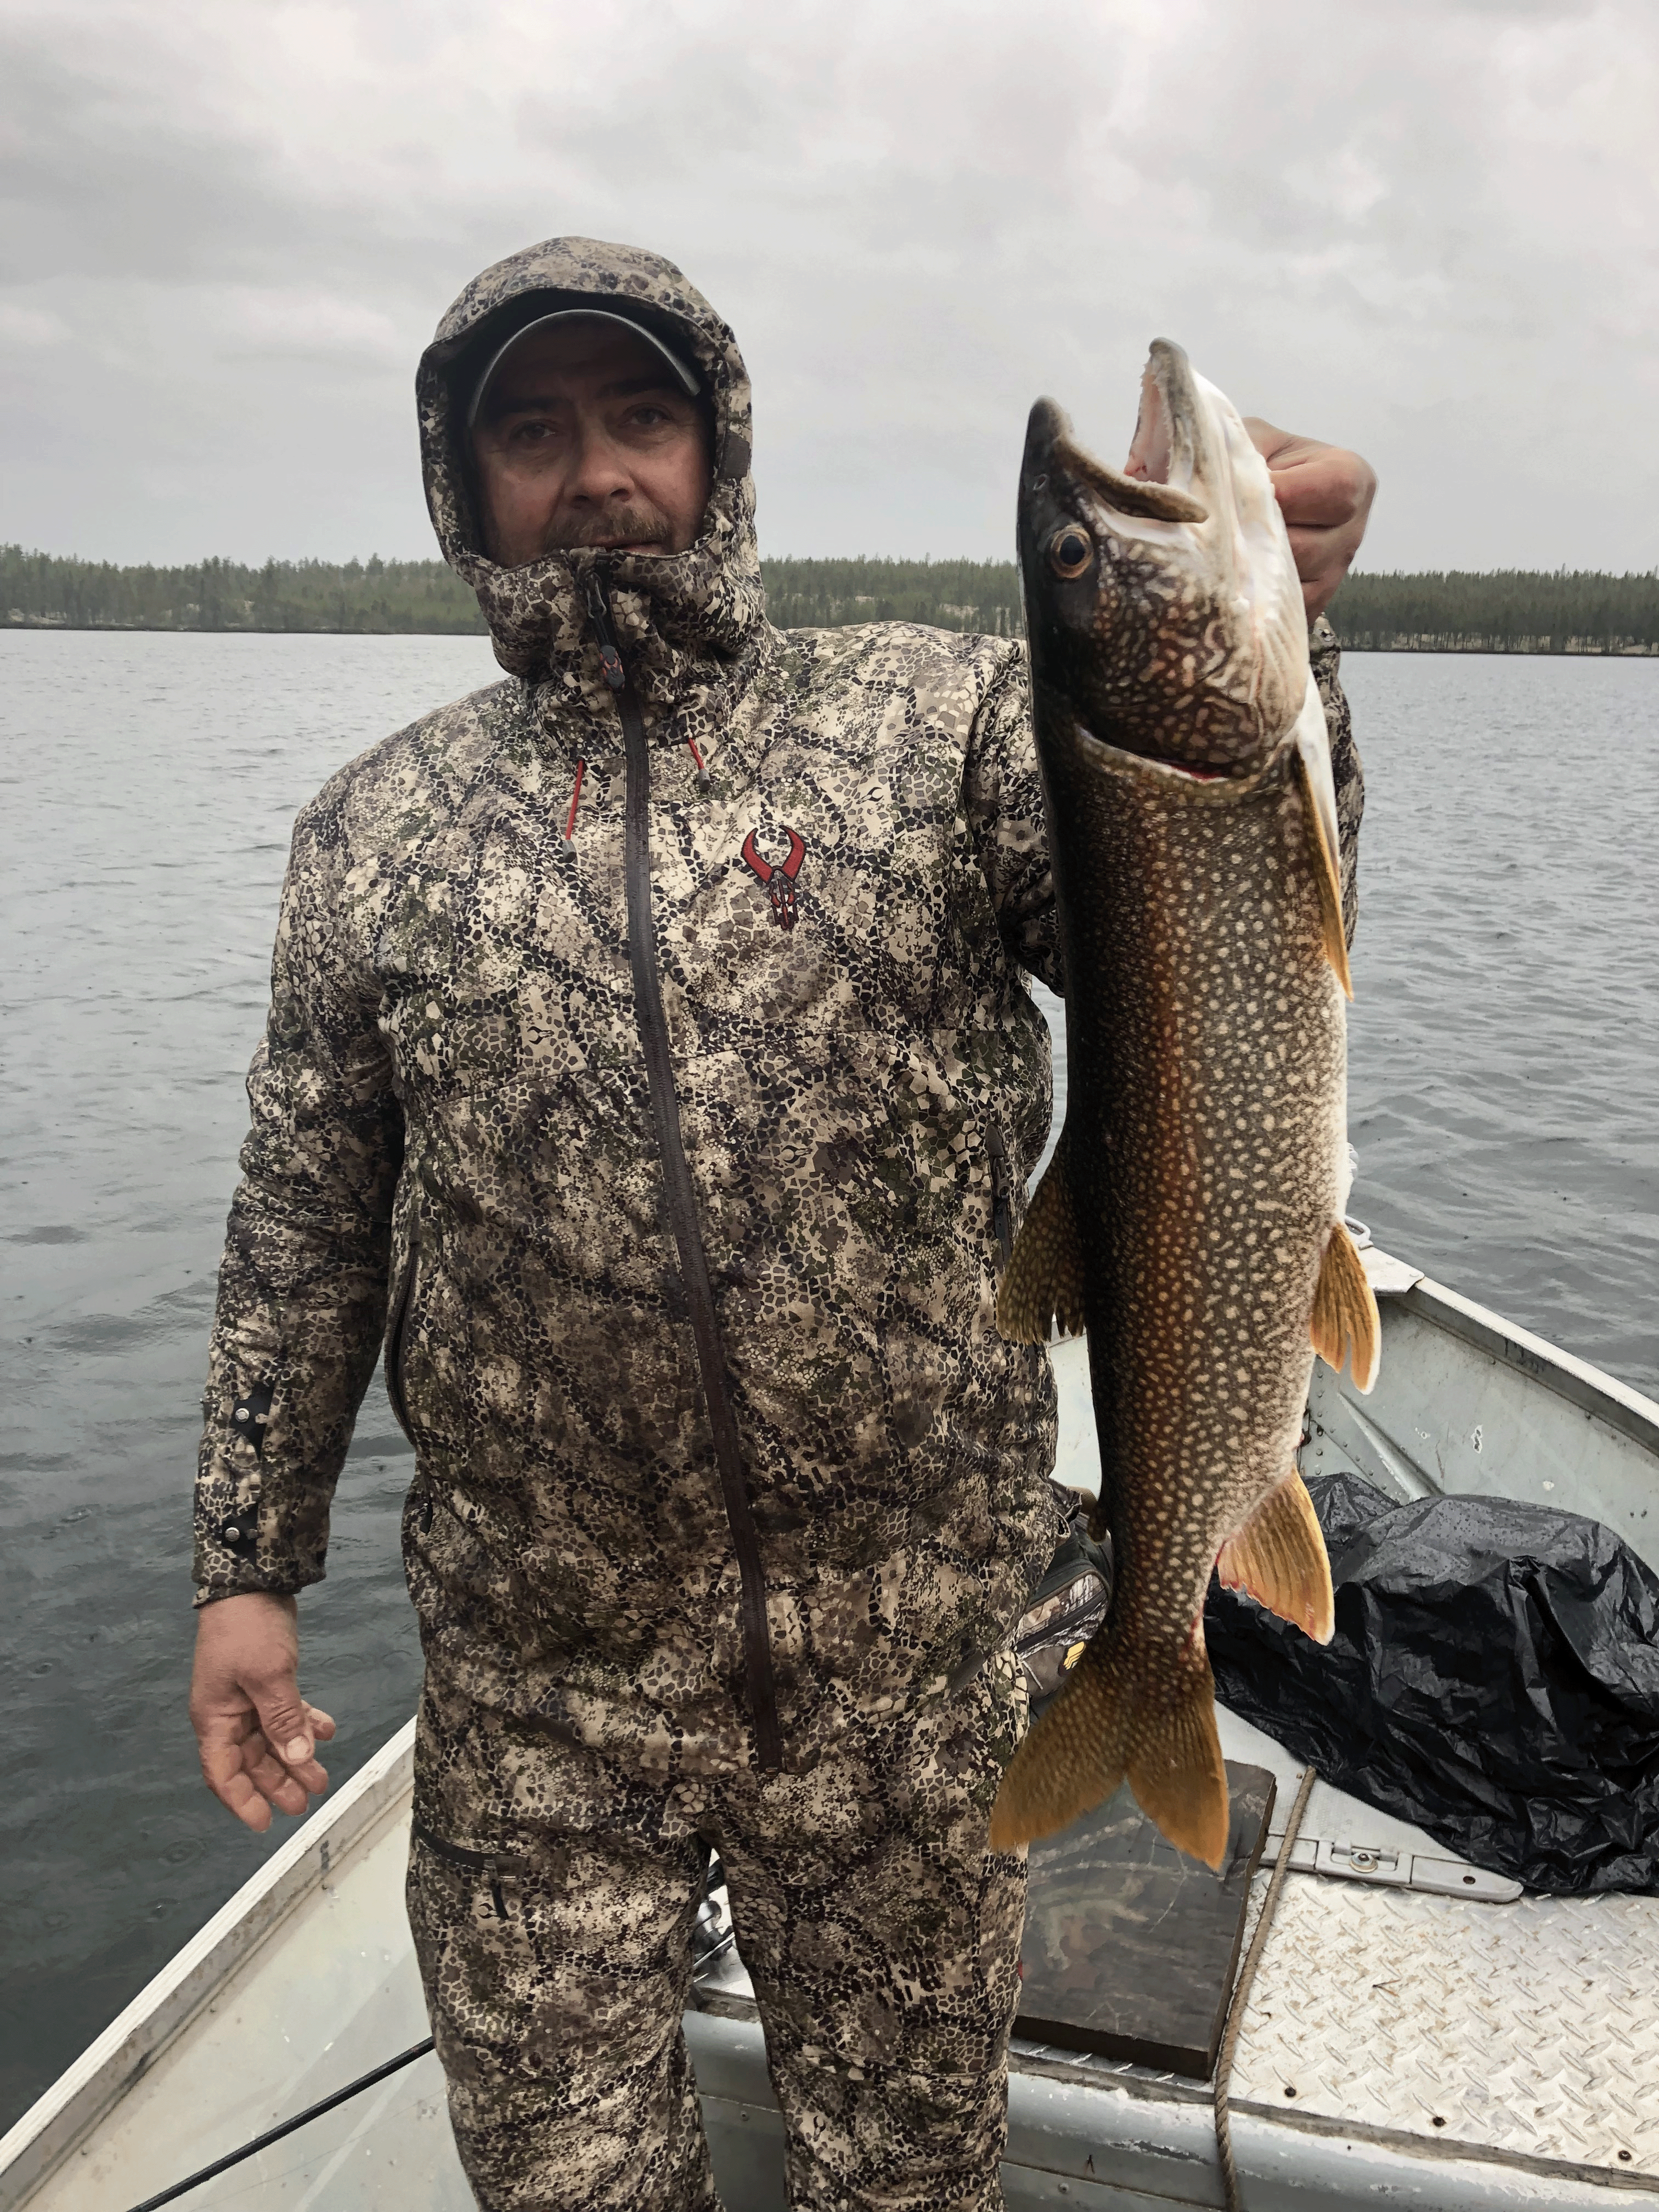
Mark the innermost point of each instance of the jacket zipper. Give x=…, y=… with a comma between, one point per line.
x=1002, y=1198
x=682, y=1200
x=397, y=1331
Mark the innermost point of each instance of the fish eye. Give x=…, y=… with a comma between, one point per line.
x=1070, y=550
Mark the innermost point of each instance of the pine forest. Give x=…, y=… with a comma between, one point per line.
x=1498, y=610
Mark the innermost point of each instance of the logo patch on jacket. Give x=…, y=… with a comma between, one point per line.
x=778, y=876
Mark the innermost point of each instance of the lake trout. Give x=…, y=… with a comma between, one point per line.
x=1192, y=1217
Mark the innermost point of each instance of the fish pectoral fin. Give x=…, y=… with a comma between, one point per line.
x=1174, y=1766
x=1044, y=1281
x=1345, y=1318
x=1070, y=1762
x=1279, y=1558
x=1313, y=768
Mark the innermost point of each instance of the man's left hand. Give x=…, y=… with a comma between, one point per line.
x=1325, y=495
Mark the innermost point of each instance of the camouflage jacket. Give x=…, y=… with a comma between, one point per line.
x=682, y=1238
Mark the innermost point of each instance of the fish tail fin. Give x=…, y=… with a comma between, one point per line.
x=1071, y=1761
x=1176, y=1768
x=1043, y=1279
x=1108, y=1723
x=1319, y=814
x=1278, y=1556
x=1344, y=1316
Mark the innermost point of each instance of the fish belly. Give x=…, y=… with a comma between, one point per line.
x=1204, y=1165
x=1221, y=1048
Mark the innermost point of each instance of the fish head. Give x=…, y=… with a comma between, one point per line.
x=1162, y=600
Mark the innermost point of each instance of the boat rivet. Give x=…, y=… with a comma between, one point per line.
x=233, y=1535
x=242, y=1412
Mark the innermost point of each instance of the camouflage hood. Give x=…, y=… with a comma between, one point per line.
x=685, y=616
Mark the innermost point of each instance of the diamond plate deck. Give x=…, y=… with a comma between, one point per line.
x=1531, y=2028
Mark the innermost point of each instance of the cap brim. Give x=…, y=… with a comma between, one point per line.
x=686, y=377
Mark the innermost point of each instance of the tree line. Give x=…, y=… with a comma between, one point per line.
x=1498, y=611
x=375, y=596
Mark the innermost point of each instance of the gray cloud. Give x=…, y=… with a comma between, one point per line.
x=1425, y=230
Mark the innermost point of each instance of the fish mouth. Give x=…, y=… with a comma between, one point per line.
x=1052, y=450
x=1166, y=447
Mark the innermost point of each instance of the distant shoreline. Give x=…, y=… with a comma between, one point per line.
x=1576, y=613
x=1573, y=649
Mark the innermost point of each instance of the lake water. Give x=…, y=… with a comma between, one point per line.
x=1505, y=1042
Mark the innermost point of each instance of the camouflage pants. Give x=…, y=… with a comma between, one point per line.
x=552, y=1891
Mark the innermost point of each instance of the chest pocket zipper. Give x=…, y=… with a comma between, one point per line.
x=397, y=1334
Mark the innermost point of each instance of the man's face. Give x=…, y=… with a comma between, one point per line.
x=585, y=438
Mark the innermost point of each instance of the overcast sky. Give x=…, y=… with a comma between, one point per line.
x=1425, y=230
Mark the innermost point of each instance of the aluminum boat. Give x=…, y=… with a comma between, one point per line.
x=1417, y=2031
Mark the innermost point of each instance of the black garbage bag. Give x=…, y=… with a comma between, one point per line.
x=1494, y=1677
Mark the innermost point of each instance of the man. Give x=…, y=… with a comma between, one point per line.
x=649, y=1063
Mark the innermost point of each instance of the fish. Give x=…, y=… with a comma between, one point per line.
x=1191, y=1220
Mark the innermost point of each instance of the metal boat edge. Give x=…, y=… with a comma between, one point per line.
x=1110, y=2141
x=89, y=2089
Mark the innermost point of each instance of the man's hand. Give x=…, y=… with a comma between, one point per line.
x=1325, y=494
x=257, y=1735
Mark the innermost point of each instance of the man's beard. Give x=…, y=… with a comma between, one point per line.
x=640, y=524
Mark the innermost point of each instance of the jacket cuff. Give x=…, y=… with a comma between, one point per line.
x=242, y=1541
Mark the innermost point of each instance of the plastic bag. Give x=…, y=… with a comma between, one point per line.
x=1494, y=1678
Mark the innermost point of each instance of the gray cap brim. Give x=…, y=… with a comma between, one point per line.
x=686, y=377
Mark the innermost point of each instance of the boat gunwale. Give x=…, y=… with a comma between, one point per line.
x=1618, y=1406
x=36, y=2145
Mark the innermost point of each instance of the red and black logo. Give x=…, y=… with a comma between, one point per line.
x=779, y=876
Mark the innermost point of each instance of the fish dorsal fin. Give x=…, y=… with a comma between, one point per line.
x=1313, y=762
x=1141, y=495
x=1279, y=1558
x=1344, y=1316
x=1043, y=1281
x=1109, y=1722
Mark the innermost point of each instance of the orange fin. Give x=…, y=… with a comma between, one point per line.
x=1319, y=822
x=1345, y=1318
x=1278, y=1556
x=1104, y=1726
x=1071, y=1761
x=1177, y=1769
x=1044, y=1281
